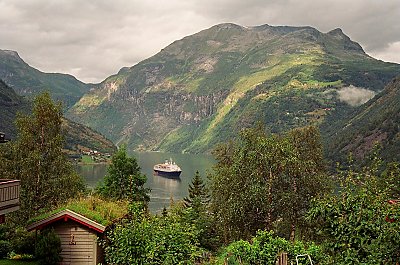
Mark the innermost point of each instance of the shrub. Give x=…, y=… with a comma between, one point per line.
x=145, y=239
x=22, y=241
x=48, y=248
x=5, y=248
x=265, y=249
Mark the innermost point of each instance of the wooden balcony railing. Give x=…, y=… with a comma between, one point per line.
x=9, y=195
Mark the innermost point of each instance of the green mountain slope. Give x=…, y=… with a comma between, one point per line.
x=202, y=89
x=26, y=80
x=76, y=135
x=10, y=104
x=377, y=121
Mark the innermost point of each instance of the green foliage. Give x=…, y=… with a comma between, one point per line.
x=145, y=239
x=265, y=248
x=357, y=223
x=22, y=241
x=265, y=181
x=36, y=158
x=48, y=248
x=75, y=134
x=17, y=262
x=391, y=175
x=197, y=213
x=5, y=248
x=198, y=194
x=124, y=179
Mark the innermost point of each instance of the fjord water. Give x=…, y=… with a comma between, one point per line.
x=162, y=189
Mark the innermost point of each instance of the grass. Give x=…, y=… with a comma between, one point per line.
x=99, y=210
x=88, y=101
x=17, y=262
x=249, y=82
x=87, y=159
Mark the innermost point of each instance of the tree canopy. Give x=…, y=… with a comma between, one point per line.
x=36, y=158
x=265, y=181
x=359, y=222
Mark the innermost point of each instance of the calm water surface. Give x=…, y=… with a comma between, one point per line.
x=162, y=189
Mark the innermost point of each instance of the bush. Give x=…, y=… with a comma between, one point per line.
x=265, y=249
x=145, y=239
x=22, y=241
x=48, y=248
x=5, y=248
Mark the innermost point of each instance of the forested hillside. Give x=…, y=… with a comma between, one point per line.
x=202, y=89
x=376, y=122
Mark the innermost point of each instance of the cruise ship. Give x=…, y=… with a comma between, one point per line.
x=167, y=169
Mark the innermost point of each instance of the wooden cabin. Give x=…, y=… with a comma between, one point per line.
x=79, y=237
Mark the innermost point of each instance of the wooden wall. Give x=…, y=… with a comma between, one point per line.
x=79, y=244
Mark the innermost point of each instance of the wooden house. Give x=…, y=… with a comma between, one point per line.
x=79, y=237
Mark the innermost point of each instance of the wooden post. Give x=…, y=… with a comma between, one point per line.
x=282, y=259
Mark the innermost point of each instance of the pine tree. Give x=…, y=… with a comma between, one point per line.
x=198, y=193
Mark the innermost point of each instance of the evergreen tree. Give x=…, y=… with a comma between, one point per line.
x=124, y=180
x=198, y=214
x=37, y=159
x=198, y=193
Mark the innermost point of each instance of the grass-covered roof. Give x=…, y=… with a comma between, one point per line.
x=101, y=211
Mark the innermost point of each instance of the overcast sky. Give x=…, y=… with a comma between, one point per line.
x=92, y=39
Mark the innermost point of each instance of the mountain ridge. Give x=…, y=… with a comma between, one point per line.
x=201, y=89
x=27, y=80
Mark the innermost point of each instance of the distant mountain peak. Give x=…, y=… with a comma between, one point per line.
x=228, y=25
x=348, y=43
x=336, y=31
x=10, y=52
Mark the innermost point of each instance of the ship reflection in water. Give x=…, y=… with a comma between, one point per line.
x=172, y=184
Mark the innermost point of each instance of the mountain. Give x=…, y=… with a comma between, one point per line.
x=81, y=137
x=376, y=122
x=10, y=104
x=26, y=80
x=77, y=135
x=202, y=89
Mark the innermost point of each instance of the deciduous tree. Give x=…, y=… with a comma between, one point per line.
x=124, y=179
x=358, y=223
x=36, y=158
x=262, y=181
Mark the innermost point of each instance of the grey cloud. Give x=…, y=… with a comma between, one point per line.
x=95, y=38
x=355, y=96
